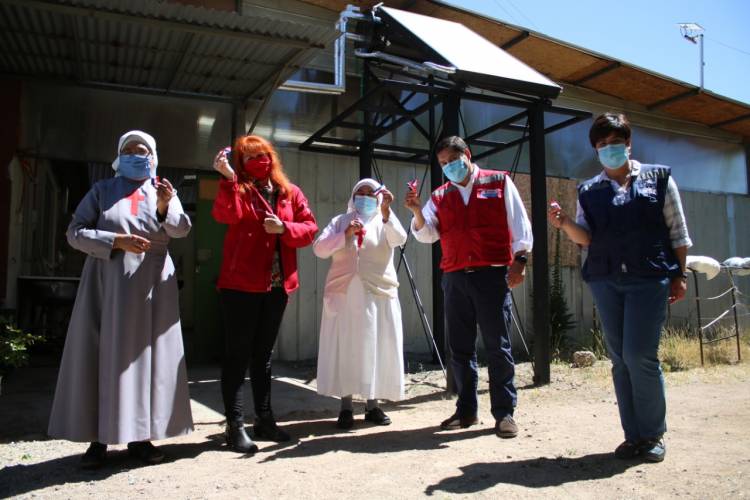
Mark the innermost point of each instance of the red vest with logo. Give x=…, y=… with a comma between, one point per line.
x=476, y=234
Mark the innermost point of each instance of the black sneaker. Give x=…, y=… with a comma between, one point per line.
x=627, y=450
x=377, y=417
x=266, y=428
x=94, y=456
x=653, y=450
x=345, y=420
x=145, y=452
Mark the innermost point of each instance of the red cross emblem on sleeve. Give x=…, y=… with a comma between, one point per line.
x=135, y=197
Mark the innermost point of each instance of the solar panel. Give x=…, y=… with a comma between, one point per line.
x=478, y=62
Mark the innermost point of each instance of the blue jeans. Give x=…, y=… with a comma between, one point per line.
x=480, y=298
x=632, y=310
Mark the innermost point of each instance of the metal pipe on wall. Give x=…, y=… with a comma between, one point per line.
x=339, y=59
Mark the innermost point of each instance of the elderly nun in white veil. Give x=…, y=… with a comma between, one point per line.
x=361, y=337
x=122, y=377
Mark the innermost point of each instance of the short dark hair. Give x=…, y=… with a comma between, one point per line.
x=453, y=142
x=608, y=124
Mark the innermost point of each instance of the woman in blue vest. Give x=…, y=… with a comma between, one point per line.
x=630, y=219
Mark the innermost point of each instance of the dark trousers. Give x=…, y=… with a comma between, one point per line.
x=480, y=298
x=251, y=324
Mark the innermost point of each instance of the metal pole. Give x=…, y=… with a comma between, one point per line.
x=700, y=41
x=540, y=283
x=734, y=309
x=450, y=106
x=365, y=154
x=698, y=309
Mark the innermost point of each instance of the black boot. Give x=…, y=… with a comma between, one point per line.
x=94, y=456
x=237, y=438
x=265, y=428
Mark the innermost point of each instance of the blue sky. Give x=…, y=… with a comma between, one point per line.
x=645, y=33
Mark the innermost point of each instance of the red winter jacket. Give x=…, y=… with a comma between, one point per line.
x=248, y=249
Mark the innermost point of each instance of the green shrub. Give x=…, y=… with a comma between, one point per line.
x=14, y=345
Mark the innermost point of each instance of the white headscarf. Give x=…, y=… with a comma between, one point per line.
x=139, y=137
x=364, y=182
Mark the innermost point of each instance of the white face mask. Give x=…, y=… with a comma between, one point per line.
x=365, y=205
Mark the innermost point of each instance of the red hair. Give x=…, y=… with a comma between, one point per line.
x=253, y=145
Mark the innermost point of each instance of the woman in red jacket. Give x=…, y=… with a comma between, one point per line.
x=268, y=218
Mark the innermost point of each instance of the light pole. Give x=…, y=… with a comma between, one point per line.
x=693, y=32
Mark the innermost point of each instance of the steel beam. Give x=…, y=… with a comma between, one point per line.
x=540, y=285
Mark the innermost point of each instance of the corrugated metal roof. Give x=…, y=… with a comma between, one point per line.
x=158, y=46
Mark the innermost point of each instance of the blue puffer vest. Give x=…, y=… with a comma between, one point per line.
x=631, y=237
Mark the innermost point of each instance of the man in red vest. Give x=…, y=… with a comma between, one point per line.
x=484, y=234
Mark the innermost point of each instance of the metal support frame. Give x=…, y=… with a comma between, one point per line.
x=378, y=98
x=539, y=253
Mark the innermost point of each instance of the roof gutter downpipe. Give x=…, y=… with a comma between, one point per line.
x=339, y=59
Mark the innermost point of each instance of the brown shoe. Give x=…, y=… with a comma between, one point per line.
x=456, y=421
x=506, y=428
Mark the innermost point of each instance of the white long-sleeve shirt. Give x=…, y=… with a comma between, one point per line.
x=518, y=221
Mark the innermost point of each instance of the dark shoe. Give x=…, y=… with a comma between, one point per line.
x=627, y=450
x=145, y=452
x=506, y=428
x=345, y=420
x=456, y=421
x=377, y=416
x=653, y=450
x=266, y=428
x=94, y=456
x=238, y=440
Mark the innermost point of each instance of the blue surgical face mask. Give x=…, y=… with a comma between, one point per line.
x=136, y=167
x=613, y=156
x=365, y=205
x=456, y=170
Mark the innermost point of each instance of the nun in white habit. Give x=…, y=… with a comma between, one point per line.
x=122, y=377
x=361, y=337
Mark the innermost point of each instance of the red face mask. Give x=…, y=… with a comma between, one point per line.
x=258, y=167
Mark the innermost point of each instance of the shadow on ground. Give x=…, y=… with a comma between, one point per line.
x=534, y=473
x=21, y=479
x=329, y=439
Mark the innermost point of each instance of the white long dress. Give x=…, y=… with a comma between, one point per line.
x=361, y=336
x=123, y=375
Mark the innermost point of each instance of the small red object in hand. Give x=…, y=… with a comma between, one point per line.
x=554, y=204
x=413, y=185
x=360, y=237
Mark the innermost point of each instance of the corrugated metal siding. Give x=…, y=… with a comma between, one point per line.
x=327, y=181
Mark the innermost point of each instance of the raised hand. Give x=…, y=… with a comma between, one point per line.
x=556, y=215
x=385, y=206
x=221, y=164
x=353, y=228
x=164, y=193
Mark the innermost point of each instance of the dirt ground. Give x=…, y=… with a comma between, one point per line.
x=568, y=431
